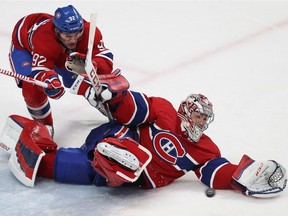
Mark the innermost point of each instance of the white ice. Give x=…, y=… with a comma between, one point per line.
x=236, y=53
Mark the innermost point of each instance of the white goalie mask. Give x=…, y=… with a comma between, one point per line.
x=195, y=105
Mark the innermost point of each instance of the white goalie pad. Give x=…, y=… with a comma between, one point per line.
x=26, y=176
x=10, y=135
x=120, y=160
x=262, y=179
x=134, y=163
x=122, y=156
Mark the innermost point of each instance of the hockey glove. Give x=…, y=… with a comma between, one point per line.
x=76, y=63
x=262, y=179
x=82, y=86
x=51, y=77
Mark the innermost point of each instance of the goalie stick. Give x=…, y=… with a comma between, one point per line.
x=26, y=79
x=89, y=67
x=91, y=70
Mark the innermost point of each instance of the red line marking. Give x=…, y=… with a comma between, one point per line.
x=202, y=56
x=209, y=53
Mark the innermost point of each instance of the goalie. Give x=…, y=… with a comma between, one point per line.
x=148, y=143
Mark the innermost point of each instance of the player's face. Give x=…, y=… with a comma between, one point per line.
x=199, y=119
x=70, y=40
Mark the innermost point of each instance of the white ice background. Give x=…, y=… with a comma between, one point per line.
x=234, y=52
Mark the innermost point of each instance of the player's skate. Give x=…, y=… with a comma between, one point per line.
x=120, y=155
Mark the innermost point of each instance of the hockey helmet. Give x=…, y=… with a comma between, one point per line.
x=199, y=104
x=68, y=20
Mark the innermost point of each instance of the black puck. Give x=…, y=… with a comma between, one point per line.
x=210, y=192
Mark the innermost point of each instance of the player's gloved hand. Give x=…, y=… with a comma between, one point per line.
x=51, y=77
x=82, y=86
x=76, y=63
x=78, y=57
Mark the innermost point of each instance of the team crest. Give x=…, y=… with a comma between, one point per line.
x=168, y=147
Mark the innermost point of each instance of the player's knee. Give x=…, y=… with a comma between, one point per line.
x=33, y=94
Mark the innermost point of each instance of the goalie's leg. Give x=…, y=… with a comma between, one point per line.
x=34, y=140
x=120, y=160
x=122, y=156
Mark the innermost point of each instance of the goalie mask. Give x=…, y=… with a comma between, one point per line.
x=196, y=113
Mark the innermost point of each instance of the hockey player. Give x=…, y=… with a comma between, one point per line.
x=148, y=143
x=41, y=44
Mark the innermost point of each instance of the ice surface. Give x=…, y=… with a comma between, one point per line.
x=233, y=52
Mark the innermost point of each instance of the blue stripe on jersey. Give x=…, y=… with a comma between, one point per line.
x=209, y=170
x=106, y=54
x=141, y=106
x=18, y=35
x=32, y=30
x=185, y=163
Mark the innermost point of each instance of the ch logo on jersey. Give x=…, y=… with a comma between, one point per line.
x=168, y=147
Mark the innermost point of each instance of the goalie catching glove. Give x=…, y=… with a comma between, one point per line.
x=262, y=179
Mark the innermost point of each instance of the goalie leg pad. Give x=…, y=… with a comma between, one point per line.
x=262, y=179
x=26, y=156
x=25, y=159
x=14, y=127
x=11, y=132
x=120, y=160
x=121, y=155
x=72, y=166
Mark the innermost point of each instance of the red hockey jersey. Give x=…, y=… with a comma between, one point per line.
x=159, y=129
x=36, y=34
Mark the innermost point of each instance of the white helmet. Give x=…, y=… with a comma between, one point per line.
x=195, y=103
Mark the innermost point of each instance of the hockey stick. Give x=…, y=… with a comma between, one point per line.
x=91, y=70
x=25, y=78
x=89, y=67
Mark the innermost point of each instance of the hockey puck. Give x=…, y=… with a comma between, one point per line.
x=210, y=192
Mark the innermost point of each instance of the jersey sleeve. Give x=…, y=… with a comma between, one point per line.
x=101, y=55
x=137, y=108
